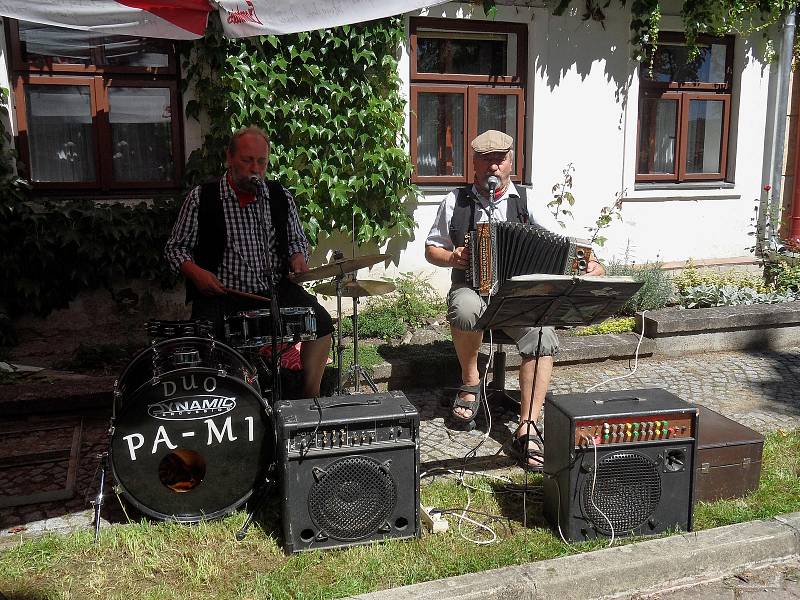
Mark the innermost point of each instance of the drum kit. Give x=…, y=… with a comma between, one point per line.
x=191, y=435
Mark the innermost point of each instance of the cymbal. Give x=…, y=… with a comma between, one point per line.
x=340, y=267
x=356, y=289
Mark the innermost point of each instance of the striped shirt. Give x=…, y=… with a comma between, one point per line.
x=246, y=264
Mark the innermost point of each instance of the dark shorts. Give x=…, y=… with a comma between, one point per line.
x=290, y=295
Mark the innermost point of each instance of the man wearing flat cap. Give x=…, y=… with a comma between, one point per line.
x=458, y=214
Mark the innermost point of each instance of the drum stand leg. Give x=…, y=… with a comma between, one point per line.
x=356, y=371
x=97, y=503
x=261, y=496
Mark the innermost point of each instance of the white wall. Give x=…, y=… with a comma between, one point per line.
x=582, y=109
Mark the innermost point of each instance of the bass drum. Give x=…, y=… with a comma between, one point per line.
x=192, y=438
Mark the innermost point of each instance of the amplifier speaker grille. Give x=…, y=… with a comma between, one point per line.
x=627, y=490
x=352, y=498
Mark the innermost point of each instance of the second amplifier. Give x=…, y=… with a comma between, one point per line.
x=619, y=463
x=349, y=469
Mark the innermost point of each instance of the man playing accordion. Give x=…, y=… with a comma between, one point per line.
x=458, y=214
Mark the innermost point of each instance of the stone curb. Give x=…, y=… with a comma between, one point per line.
x=647, y=565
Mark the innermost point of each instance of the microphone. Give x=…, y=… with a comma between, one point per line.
x=492, y=184
x=257, y=181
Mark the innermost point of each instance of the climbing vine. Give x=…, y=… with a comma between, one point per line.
x=744, y=17
x=331, y=104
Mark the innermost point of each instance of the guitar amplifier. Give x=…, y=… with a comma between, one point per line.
x=349, y=470
x=619, y=463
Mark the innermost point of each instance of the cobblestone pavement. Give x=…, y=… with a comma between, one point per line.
x=775, y=582
x=760, y=389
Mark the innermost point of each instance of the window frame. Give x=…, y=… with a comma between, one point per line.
x=98, y=79
x=470, y=86
x=18, y=64
x=684, y=92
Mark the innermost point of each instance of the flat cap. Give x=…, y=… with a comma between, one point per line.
x=492, y=141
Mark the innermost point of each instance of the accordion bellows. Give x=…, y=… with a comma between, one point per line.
x=501, y=250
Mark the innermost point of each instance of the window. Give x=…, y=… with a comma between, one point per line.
x=684, y=111
x=466, y=77
x=95, y=112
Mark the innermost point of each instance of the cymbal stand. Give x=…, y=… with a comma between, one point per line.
x=339, y=346
x=356, y=370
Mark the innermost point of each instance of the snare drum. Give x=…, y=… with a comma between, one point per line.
x=191, y=436
x=253, y=328
x=159, y=329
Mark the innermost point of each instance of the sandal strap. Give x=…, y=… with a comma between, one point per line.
x=459, y=402
x=471, y=389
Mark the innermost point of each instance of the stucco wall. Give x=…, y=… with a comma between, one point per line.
x=582, y=107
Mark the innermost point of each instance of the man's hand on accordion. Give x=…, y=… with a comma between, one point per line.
x=594, y=268
x=459, y=258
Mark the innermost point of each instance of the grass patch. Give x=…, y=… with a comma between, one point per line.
x=169, y=561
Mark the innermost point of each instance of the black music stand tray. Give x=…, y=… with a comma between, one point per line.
x=540, y=300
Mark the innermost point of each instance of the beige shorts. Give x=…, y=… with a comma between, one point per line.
x=465, y=306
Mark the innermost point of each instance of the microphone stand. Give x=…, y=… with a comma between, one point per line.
x=274, y=306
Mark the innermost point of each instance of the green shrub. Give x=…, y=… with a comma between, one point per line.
x=612, y=325
x=413, y=301
x=783, y=276
x=377, y=323
x=655, y=292
x=708, y=295
x=691, y=277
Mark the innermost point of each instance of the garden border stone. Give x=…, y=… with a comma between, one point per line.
x=676, y=332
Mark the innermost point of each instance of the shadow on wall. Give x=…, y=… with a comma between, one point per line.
x=395, y=245
x=576, y=44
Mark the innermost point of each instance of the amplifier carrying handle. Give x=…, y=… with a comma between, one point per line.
x=334, y=402
x=621, y=399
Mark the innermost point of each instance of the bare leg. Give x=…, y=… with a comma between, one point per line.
x=467, y=345
x=314, y=355
x=529, y=392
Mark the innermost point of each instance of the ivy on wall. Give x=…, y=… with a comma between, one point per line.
x=330, y=102
x=744, y=17
x=53, y=250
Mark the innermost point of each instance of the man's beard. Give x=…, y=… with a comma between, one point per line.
x=246, y=185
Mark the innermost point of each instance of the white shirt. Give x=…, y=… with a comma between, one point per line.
x=439, y=234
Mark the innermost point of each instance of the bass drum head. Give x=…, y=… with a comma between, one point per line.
x=192, y=446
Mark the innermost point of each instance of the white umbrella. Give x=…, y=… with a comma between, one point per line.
x=187, y=19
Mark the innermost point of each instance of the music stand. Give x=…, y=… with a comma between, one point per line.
x=540, y=300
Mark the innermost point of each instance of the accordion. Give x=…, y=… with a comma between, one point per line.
x=501, y=250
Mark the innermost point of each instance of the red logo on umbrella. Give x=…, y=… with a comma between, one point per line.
x=243, y=16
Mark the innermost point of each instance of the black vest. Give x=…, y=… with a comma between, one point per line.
x=463, y=220
x=212, y=232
